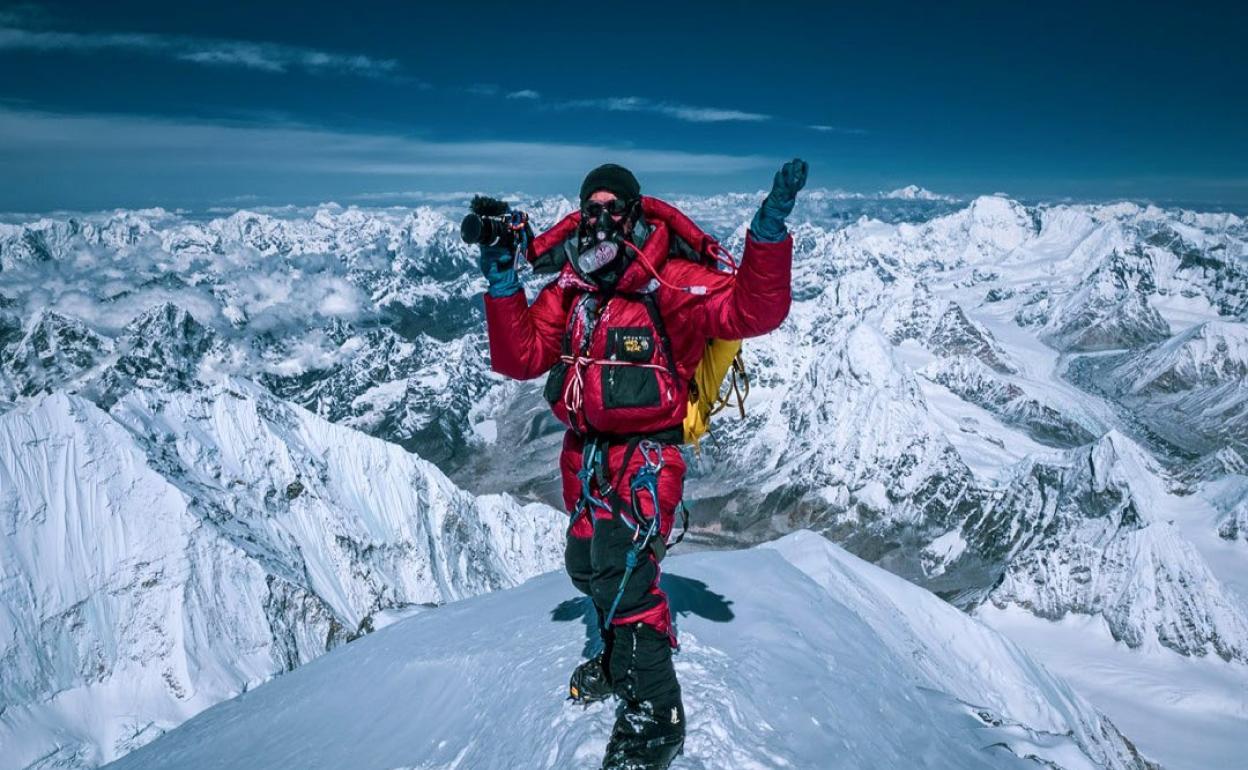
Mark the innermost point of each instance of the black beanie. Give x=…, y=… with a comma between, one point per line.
x=613, y=178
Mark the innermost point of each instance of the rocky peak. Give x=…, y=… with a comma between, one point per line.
x=955, y=334
x=1087, y=532
x=1207, y=355
x=54, y=350
x=161, y=348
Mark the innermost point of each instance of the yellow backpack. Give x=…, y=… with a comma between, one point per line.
x=721, y=358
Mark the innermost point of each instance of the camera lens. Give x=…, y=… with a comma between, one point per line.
x=486, y=231
x=470, y=229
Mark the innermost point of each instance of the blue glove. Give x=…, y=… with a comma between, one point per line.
x=768, y=225
x=499, y=266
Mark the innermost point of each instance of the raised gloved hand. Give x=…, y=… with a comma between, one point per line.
x=768, y=225
x=498, y=265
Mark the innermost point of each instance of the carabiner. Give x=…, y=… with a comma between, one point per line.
x=646, y=478
x=590, y=457
x=651, y=454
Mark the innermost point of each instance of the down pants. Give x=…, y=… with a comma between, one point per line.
x=642, y=635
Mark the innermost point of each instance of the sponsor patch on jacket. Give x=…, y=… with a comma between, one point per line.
x=631, y=343
x=634, y=344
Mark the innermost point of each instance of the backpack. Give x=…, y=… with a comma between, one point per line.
x=720, y=359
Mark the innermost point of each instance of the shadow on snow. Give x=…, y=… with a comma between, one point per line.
x=685, y=595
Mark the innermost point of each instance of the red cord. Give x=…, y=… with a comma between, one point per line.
x=573, y=389
x=727, y=258
x=691, y=289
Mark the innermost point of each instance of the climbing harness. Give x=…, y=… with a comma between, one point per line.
x=645, y=479
x=591, y=463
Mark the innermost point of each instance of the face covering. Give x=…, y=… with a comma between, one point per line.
x=601, y=248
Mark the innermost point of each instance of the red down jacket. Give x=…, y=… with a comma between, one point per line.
x=611, y=374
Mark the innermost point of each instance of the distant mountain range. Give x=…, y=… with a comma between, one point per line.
x=1027, y=406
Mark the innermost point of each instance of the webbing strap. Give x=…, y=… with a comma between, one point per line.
x=656, y=319
x=609, y=487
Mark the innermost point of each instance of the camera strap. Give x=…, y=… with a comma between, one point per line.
x=519, y=224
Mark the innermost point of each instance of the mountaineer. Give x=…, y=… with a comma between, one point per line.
x=620, y=334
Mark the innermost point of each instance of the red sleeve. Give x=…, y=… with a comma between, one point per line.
x=525, y=340
x=757, y=300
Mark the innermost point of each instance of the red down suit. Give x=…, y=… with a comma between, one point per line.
x=610, y=376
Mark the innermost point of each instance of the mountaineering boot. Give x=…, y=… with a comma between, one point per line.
x=649, y=729
x=590, y=683
x=647, y=736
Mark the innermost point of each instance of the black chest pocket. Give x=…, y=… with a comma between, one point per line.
x=553, y=391
x=626, y=384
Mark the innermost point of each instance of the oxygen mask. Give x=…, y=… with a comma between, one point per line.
x=601, y=235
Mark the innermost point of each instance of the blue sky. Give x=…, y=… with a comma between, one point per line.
x=197, y=104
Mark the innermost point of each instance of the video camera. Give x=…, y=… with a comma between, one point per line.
x=493, y=223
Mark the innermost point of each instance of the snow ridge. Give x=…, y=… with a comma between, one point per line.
x=795, y=655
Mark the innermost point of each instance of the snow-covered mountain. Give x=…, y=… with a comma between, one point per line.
x=913, y=192
x=185, y=546
x=50, y=352
x=794, y=655
x=1191, y=389
x=917, y=375
x=976, y=396
x=1060, y=534
x=1042, y=418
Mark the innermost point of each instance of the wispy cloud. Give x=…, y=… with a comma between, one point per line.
x=835, y=129
x=709, y=114
x=144, y=143
x=683, y=112
x=266, y=57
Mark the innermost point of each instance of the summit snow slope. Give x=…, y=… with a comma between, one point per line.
x=796, y=654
